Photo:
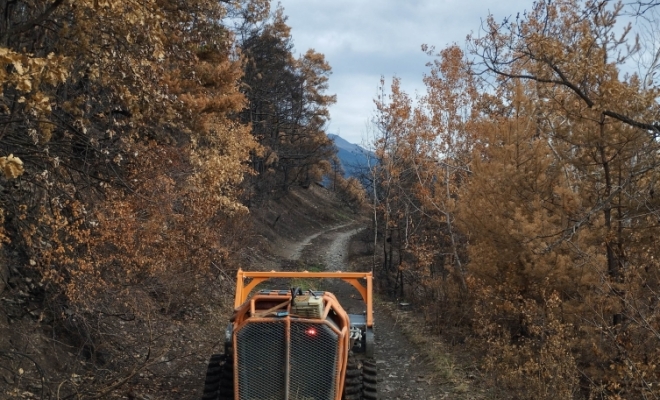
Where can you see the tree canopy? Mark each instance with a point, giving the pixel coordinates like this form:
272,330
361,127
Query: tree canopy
523,182
127,131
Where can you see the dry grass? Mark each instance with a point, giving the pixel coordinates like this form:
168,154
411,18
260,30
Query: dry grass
457,372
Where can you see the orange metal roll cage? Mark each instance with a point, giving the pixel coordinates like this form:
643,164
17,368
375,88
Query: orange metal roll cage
243,289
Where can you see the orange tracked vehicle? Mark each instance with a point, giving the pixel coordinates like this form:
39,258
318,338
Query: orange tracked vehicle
295,344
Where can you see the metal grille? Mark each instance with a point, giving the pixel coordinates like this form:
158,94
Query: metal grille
313,361
261,352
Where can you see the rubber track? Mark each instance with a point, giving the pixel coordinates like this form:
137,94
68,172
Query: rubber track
213,376
369,380
226,389
353,381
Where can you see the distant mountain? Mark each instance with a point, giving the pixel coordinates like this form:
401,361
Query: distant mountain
354,159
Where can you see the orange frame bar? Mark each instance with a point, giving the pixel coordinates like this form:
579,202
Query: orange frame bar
243,290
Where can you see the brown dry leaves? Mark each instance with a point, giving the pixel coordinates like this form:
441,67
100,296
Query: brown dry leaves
539,187
121,124
11,166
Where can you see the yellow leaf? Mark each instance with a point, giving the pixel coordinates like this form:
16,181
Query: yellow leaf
25,85
19,67
11,166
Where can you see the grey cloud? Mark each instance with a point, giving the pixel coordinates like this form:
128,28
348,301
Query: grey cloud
364,39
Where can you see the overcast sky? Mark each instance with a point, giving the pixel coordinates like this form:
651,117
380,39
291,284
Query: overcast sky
364,39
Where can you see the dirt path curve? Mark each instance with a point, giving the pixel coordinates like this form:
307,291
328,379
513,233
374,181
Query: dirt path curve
403,371
297,250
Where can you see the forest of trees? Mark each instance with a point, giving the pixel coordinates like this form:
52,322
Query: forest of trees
287,107
517,198
134,135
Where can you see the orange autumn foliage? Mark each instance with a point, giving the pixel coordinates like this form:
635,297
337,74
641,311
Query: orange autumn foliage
530,172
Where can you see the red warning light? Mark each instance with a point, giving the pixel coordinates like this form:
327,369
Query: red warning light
311,331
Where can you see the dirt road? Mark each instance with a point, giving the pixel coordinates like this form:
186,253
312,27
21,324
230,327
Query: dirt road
403,371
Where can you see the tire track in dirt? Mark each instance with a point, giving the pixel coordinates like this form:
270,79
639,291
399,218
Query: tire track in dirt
403,370
297,250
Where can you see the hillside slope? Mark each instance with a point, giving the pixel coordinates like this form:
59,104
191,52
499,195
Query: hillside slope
156,344
165,357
